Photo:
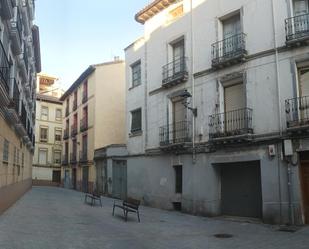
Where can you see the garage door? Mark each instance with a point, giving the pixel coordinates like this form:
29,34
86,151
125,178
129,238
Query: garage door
241,193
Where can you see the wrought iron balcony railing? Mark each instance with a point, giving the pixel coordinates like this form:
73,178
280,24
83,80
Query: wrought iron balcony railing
232,123
85,97
65,133
74,130
178,132
174,72
84,124
297,112
229,50
297,28
4,68
73,158
83,158
65,159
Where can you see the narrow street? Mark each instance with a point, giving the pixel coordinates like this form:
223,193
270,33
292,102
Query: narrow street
49,217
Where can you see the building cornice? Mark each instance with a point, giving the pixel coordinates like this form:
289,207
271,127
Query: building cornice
152,9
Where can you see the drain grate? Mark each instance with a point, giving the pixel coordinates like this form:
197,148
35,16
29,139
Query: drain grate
223,235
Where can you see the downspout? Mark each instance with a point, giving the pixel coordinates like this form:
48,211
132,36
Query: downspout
193,84
279,112
145,104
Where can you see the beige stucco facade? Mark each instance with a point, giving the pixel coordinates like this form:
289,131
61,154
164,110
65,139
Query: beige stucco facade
96,102
48,146
20,61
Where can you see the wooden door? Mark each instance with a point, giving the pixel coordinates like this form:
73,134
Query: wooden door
303,103
178,54
179,121
301,8
119,179
305,189
234,101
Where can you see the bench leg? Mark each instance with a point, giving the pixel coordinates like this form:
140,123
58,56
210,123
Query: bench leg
85,199
138,216
100,201
113,209
126,216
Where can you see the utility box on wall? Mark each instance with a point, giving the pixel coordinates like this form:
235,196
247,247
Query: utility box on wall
288,147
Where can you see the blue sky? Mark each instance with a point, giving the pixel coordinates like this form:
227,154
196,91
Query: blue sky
77,33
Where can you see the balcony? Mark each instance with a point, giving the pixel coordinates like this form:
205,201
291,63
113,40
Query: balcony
85,97
7,9
65,160
4,77
233,126
175,135
229,51
73,130
174,73
66,134
74,105
13,107
84,124
297,30
73,158
26,17
297,114
83,158
16,32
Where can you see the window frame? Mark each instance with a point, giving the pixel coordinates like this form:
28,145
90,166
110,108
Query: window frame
60,134
57,152
58,118
138,129
43,149
133,73
43,140
47,114
6,151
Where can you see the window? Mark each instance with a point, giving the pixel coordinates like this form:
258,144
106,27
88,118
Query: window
57,157
43,156
22,159
43,134
6,150
58,133
58,114
136,74
44,113
136,120
178,179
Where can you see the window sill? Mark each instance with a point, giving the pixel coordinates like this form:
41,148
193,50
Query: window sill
132,87
135,133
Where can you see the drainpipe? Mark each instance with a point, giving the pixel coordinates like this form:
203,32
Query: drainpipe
289,183
193,84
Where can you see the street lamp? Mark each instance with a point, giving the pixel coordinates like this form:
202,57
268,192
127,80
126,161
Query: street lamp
185,94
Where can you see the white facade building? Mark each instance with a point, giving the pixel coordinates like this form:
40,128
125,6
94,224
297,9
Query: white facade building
242,68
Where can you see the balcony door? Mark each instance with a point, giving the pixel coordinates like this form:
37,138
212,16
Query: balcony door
85,146
178,55
301,21
231,43
179,122
234,101
303,103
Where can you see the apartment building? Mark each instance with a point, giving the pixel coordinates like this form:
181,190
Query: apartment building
94,108
216,107
48,132
20,61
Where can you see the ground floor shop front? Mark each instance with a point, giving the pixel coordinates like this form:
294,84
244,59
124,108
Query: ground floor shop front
249,182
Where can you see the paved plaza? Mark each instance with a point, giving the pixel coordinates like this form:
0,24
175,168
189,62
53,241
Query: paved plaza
49,217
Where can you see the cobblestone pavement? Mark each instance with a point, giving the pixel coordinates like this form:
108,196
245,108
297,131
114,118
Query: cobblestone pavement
49,217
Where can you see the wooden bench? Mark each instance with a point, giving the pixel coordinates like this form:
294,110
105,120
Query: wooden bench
128,205
93,197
